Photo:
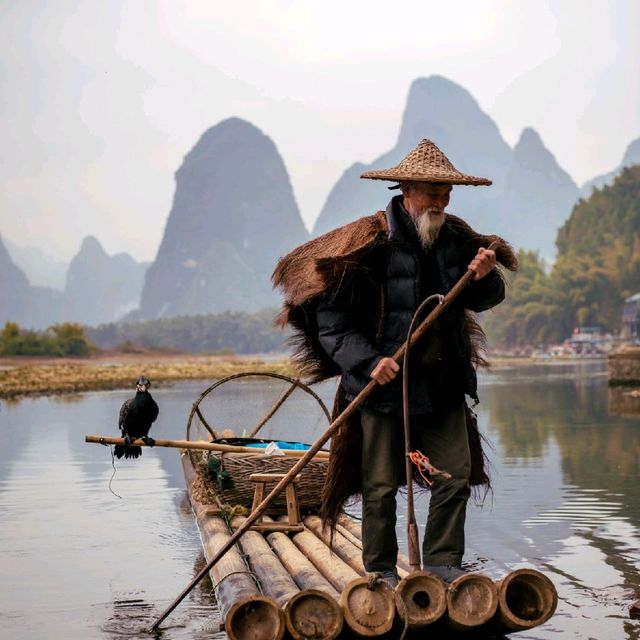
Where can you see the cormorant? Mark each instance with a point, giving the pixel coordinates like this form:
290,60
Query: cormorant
136,416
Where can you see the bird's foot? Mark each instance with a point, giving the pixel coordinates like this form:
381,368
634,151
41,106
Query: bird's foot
148,441
128,440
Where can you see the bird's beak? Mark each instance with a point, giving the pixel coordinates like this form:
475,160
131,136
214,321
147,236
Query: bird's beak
142,387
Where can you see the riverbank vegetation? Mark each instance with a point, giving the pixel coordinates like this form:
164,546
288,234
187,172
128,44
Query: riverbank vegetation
38,376
228,332
66,339
597,267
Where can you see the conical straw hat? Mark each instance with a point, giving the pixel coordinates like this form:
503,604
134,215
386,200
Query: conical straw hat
426,163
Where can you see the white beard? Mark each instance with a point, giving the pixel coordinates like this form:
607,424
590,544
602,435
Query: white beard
428,226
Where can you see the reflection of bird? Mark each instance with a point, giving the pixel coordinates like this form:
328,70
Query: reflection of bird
136,416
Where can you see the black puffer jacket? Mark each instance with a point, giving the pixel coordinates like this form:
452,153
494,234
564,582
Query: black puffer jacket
367,317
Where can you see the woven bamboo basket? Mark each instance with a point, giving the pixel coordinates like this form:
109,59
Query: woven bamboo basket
236,467
238,489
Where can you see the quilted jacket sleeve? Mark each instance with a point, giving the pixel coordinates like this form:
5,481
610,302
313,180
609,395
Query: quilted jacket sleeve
340,336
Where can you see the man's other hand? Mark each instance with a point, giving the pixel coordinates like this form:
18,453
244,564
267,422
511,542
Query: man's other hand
483,263
385,371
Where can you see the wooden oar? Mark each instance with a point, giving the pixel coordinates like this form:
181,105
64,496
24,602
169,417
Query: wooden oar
201,445
317,445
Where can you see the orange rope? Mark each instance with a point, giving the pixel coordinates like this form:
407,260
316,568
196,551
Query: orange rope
422,462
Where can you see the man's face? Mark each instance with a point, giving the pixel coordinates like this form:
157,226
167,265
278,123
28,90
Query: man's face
426,198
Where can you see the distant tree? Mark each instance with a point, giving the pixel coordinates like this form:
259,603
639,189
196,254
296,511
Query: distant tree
227,332
71,339
598,266
66,339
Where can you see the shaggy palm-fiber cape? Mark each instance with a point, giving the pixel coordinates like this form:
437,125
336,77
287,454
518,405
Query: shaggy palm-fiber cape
316,269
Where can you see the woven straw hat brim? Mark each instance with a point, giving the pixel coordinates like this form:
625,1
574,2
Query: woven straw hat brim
426,163
445,177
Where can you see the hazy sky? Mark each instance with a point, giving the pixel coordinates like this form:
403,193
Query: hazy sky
101,100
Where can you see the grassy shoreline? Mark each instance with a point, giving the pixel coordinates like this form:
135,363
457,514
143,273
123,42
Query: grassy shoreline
36,376
31,376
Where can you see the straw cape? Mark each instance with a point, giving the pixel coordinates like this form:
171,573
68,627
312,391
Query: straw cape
317,268
426,163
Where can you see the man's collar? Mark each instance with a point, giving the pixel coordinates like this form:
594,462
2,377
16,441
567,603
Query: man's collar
401,225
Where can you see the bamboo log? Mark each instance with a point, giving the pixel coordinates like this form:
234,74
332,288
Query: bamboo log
368,610
307,614
355,541
314,615
472,600
526,599
247,614
203,445
274,578
335,570
301,569
255,618
353,532
421,599
339,545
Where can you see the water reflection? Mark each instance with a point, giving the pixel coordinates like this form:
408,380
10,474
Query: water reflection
565,500
624,401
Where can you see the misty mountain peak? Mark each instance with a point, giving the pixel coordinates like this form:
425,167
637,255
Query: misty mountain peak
91,247
532,156
530,138
632,154
234,198
434,103
631,157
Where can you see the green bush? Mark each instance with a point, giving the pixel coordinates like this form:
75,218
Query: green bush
66,339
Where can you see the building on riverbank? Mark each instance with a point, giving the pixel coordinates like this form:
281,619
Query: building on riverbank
630,313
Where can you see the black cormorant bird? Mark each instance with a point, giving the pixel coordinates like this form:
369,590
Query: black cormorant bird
136,416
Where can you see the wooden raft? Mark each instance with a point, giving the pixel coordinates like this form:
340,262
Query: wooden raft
284,575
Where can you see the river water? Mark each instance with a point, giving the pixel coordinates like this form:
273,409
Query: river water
80,562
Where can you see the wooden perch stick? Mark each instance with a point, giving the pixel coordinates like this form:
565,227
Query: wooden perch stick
202,445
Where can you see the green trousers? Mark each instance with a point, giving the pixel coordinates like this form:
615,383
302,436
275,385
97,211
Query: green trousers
442,436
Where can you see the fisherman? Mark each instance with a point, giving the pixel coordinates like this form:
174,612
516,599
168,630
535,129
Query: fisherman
349,297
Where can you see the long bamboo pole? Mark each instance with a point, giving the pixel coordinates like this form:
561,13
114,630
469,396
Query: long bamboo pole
319,443
201,445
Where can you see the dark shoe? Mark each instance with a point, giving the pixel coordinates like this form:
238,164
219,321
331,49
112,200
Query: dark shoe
391,578
447,572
